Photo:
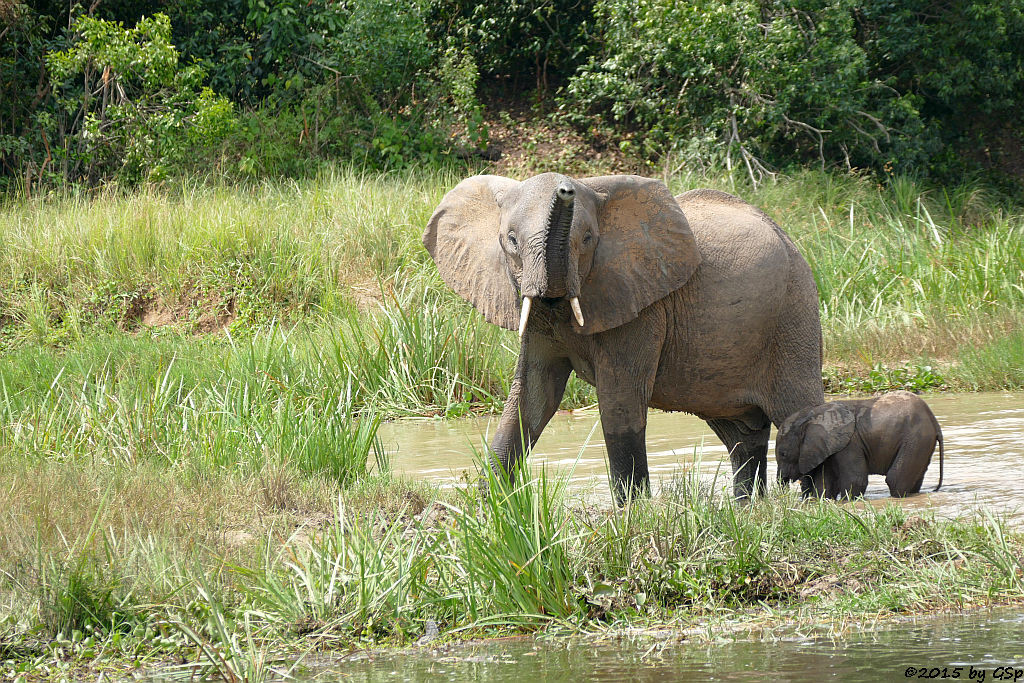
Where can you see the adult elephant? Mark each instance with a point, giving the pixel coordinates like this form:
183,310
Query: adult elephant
698,303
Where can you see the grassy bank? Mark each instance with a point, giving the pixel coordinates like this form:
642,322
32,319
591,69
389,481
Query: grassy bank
920,287
111,567
192,380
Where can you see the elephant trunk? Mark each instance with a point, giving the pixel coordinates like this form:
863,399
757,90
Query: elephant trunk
557,239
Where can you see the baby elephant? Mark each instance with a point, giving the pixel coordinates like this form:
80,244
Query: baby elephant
831,449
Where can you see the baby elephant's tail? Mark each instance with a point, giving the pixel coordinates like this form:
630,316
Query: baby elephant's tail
939,439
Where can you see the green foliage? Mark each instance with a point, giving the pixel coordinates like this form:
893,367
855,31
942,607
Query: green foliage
760,85
881,378
881,85
519,40
961,66
325,80
751,80
126,109
24,39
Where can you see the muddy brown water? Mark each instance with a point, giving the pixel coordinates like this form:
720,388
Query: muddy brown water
984,444
987,646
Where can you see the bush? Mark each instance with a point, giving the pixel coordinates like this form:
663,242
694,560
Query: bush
522,41
870,84
325,80
125,109
749,80
917,87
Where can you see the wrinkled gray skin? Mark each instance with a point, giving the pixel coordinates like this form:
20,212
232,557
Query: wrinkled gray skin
831,449
698,303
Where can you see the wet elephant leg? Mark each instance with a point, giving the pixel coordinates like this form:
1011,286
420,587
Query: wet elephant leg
627,465
622,398
536,391
846,474
906,474
747,441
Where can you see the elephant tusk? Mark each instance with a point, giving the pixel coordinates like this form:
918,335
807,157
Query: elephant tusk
576,311
527,301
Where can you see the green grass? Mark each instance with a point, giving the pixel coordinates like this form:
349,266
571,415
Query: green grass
999,364
373,564
909,276
123,401
192,380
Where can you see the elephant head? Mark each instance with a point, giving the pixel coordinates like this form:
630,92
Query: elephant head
611,246
809,437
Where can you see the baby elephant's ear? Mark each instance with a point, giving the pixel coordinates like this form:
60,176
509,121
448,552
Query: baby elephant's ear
828,431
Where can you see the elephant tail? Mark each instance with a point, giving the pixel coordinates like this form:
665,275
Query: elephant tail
939,439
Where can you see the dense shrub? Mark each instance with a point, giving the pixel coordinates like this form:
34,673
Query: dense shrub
864,83
922,86
322,79
125,107
521,42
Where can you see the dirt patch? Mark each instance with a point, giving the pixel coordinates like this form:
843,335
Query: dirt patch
199,313
366,295
216,320
524,141
157,316
436,516
830,586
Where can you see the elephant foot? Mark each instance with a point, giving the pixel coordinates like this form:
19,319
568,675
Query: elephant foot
747,441
628,491
627,460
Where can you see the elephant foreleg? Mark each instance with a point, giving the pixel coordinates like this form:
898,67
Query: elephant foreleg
536,391
627,464
846,474
623,404
813,484
747,441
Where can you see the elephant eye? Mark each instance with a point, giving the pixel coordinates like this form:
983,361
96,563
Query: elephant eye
588,238
512,241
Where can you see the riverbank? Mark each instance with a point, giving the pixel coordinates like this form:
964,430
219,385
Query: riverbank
921,288
128,568
194,377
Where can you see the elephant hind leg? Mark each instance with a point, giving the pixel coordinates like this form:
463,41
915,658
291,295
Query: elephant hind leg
903,484
747,441
906,474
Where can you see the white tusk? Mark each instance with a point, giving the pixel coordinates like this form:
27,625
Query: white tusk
527,301
575,303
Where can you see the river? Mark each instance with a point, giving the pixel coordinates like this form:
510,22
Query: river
987,646
983,432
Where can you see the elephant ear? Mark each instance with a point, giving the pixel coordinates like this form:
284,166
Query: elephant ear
645,250
828,431
462,238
